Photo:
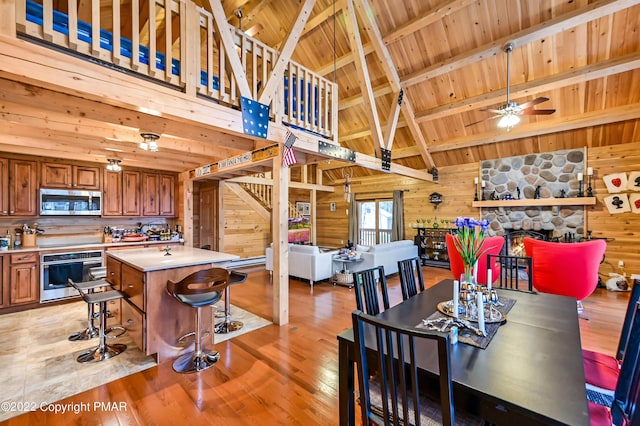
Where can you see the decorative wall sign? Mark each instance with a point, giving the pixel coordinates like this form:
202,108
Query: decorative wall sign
615,182
303,208
618,203
233,161
336,151
633,184
634,201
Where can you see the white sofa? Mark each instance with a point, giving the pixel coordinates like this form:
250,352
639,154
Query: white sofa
387,255
313,264
306,262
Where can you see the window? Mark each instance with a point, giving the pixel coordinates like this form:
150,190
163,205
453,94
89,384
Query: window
374,221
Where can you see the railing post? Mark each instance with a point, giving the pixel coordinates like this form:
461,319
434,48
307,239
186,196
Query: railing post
8,17
189,42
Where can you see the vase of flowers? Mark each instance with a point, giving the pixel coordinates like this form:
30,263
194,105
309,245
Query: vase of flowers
471,234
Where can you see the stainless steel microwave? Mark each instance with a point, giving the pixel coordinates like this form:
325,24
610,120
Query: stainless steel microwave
66,202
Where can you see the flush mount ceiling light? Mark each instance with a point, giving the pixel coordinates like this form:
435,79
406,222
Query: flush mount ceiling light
114,165
149,141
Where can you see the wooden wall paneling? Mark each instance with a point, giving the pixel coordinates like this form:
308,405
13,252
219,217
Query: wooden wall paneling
246,234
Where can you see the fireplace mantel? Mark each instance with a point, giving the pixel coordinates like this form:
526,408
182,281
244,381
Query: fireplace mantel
573,201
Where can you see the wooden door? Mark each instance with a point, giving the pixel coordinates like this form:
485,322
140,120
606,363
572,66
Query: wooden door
24,284
4,186
22,199
86,177
130,193
209,216
56,175
150,191
112,199
166,196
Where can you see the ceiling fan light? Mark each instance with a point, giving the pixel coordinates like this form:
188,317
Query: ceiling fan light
508,121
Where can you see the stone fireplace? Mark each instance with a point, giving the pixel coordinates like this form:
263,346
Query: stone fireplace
550,175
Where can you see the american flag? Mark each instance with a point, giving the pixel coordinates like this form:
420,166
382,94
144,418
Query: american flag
288,154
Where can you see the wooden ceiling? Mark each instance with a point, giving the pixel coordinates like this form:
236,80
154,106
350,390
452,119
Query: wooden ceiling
446,55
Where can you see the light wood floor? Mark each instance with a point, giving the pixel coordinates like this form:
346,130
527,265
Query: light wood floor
274,375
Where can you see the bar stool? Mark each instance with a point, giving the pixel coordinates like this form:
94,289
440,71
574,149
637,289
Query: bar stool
197,290
228,324
91,331
102,351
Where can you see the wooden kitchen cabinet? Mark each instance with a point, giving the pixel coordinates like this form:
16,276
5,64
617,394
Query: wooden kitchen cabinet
121,193
70,176
158,194
4,297
18,189
23,279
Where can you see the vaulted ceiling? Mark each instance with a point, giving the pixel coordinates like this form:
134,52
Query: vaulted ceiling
448,58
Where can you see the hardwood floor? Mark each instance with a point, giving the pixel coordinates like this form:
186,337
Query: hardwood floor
274,375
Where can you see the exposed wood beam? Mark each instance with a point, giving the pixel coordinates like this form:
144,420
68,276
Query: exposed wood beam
381,90
292,184
275,80
224,31
434,15
561,124
387,64
364,80
555,25
556,81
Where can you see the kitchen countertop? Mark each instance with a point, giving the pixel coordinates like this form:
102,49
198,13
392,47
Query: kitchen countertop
154,259
86,246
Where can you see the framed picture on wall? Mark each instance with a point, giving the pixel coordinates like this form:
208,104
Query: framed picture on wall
303,208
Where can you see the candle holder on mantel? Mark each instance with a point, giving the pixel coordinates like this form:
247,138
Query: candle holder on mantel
475,187
589,188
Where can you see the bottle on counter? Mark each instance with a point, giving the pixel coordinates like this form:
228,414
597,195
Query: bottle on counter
9,238
18,241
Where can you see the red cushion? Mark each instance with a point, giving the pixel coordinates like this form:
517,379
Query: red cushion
599,415
600,370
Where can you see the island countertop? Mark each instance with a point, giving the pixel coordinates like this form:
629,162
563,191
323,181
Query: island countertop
154,259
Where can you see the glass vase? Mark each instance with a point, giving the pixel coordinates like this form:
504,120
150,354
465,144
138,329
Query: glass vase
470,271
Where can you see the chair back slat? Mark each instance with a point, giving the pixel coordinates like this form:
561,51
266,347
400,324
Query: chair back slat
511,268
395,353
368,284
625,409
626,325
411,278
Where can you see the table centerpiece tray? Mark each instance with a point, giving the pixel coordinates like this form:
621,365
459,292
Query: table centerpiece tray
493,315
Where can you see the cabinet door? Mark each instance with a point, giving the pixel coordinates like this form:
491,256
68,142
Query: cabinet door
4,186
150,191
56,175
3,287
86,177
167,195
112,199
22,199
130,193
114,272
24,284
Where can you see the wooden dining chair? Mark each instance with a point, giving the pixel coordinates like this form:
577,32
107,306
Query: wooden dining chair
512,268
370,284
395,395
625,409
411,280
601,371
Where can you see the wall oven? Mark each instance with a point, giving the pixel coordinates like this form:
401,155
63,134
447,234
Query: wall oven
57,268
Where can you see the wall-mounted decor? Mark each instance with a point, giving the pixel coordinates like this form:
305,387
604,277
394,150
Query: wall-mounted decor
615,182
618,203
634,201
633,184
332,206
303,208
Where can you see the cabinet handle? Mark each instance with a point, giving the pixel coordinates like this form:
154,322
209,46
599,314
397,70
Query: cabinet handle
4,211
12,211
131,286
113,273
129,321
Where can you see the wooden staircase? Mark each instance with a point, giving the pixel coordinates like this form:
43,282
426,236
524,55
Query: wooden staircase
262,194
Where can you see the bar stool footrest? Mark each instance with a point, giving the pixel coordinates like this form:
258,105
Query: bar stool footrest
101,353
193,362
225,327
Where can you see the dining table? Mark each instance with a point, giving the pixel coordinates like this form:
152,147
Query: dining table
530,373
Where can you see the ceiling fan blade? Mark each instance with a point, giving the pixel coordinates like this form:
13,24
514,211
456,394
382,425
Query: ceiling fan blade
534,102
485,119
495,111
538,112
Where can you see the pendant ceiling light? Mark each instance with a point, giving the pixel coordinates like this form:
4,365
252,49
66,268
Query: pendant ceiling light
114,165
149,141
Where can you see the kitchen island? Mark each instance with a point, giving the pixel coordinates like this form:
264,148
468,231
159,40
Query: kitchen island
153,318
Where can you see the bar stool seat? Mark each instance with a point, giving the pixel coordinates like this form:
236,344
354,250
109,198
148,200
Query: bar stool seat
91,331
228,324
198,290
102,351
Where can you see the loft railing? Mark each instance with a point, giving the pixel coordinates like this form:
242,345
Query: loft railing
175,42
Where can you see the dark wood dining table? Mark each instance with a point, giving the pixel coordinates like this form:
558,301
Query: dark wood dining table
531,373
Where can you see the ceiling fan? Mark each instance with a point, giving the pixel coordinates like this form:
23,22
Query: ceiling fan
509,113
252,30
